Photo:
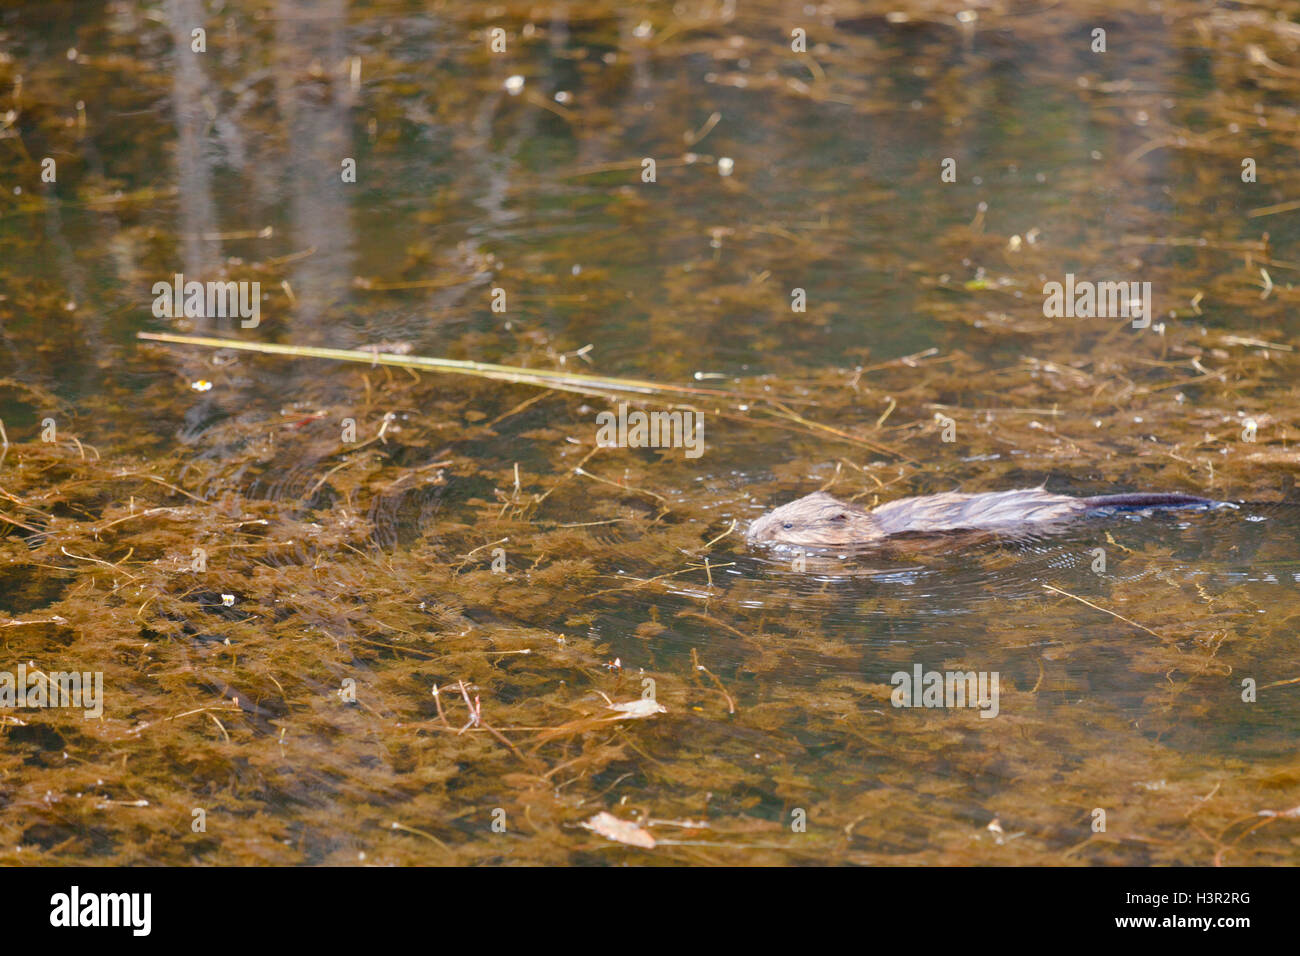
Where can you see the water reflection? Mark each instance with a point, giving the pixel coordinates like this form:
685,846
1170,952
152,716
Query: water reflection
472,532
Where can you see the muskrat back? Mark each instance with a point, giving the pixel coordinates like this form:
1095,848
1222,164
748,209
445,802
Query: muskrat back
822,521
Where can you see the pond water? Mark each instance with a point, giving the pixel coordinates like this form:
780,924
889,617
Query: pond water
352,613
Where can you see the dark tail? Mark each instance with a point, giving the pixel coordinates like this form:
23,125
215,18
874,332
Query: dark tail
1139,501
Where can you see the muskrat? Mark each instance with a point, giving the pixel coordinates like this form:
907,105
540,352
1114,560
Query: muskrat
822,521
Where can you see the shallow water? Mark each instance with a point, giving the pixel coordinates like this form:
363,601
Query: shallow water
271,604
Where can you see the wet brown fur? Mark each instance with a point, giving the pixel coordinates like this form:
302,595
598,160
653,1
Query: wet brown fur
822,521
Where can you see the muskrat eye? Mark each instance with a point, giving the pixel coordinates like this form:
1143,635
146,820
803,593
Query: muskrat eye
788,525
840,517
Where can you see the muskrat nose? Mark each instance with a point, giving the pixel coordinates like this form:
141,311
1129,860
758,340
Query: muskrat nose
767,528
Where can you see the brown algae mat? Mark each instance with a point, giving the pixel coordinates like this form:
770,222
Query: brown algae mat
465,632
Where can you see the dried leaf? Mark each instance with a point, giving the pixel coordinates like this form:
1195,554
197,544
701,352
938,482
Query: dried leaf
636,709
620,831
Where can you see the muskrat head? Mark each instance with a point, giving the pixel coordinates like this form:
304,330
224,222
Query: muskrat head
815,521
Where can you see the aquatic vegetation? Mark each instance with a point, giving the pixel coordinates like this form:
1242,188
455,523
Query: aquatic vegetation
350,609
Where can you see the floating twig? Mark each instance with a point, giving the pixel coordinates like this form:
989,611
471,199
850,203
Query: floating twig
1121,617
